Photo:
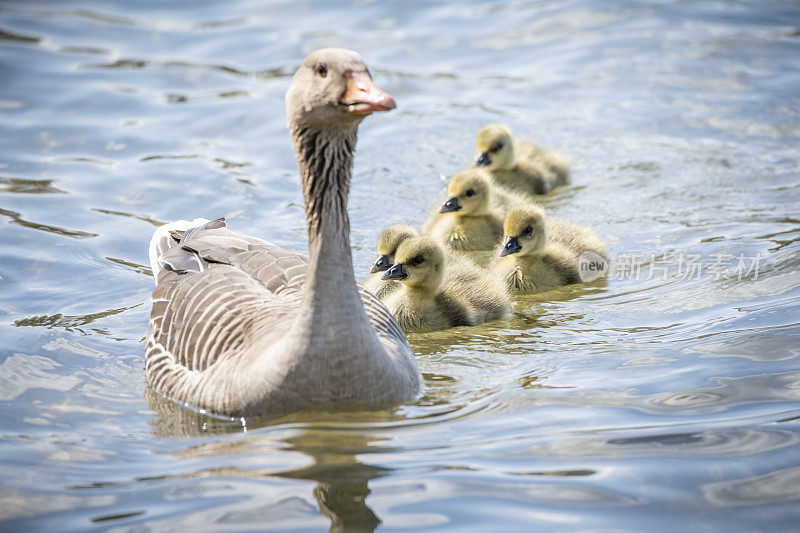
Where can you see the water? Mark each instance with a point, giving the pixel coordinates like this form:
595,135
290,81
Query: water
664,398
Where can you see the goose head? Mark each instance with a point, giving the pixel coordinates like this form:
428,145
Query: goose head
494,148
419,263
468,193
524,232
333,86
388,242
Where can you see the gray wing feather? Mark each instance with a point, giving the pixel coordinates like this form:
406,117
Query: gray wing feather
215,288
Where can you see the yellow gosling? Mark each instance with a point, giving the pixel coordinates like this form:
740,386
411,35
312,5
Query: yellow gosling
540,254
435,295
388,241
519,164
471,219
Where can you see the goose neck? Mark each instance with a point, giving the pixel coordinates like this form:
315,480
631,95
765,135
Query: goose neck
326,160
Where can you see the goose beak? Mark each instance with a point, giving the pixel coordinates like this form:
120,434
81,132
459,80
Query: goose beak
510,247
381,264
482,160
450,205
395,272
362,97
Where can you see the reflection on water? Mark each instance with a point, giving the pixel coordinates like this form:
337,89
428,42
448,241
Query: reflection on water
129,215
23,186
779,486
340,479
70,323
18,219
660,398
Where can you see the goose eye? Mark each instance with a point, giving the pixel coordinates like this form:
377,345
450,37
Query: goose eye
321,70
497,147
528,230
417,260
470,192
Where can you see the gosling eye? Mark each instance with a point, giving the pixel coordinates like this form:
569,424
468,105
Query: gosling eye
470,192
321,69
417,260
527,231
497,147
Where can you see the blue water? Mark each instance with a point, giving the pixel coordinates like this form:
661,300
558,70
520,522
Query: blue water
666,398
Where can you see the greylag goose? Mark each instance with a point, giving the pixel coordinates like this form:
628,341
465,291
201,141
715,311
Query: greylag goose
519,164
241,327
541,253
438,295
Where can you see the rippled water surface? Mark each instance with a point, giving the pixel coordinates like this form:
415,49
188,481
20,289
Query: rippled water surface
666,398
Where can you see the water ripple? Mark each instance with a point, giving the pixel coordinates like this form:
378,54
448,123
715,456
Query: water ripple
784,386
20,373
143,218
72,322
778,486
285,71
6,35
28,186
18,219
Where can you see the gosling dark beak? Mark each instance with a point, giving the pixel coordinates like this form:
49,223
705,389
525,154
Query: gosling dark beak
510,247
482,160
450,205
395,272
381,264
362,97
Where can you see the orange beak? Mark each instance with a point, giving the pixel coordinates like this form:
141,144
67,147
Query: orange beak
363,97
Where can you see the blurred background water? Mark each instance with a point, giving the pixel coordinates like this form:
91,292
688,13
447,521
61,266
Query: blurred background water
667,397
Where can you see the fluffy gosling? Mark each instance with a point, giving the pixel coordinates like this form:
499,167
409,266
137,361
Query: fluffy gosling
388,241
519,164
540,254
435,295
471,219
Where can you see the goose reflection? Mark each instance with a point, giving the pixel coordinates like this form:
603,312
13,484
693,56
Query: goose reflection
342,481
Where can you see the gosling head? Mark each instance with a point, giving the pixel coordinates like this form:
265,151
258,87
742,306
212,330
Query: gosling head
419,262
493,148
333,87
468,193
388,242
524,232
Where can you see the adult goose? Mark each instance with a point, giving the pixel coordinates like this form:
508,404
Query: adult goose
242,327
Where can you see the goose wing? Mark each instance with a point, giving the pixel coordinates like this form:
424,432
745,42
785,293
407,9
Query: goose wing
194,249
215,289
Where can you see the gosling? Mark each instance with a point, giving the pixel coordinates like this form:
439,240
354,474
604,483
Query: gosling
388,241
471,219
540,254
436,295
519,164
